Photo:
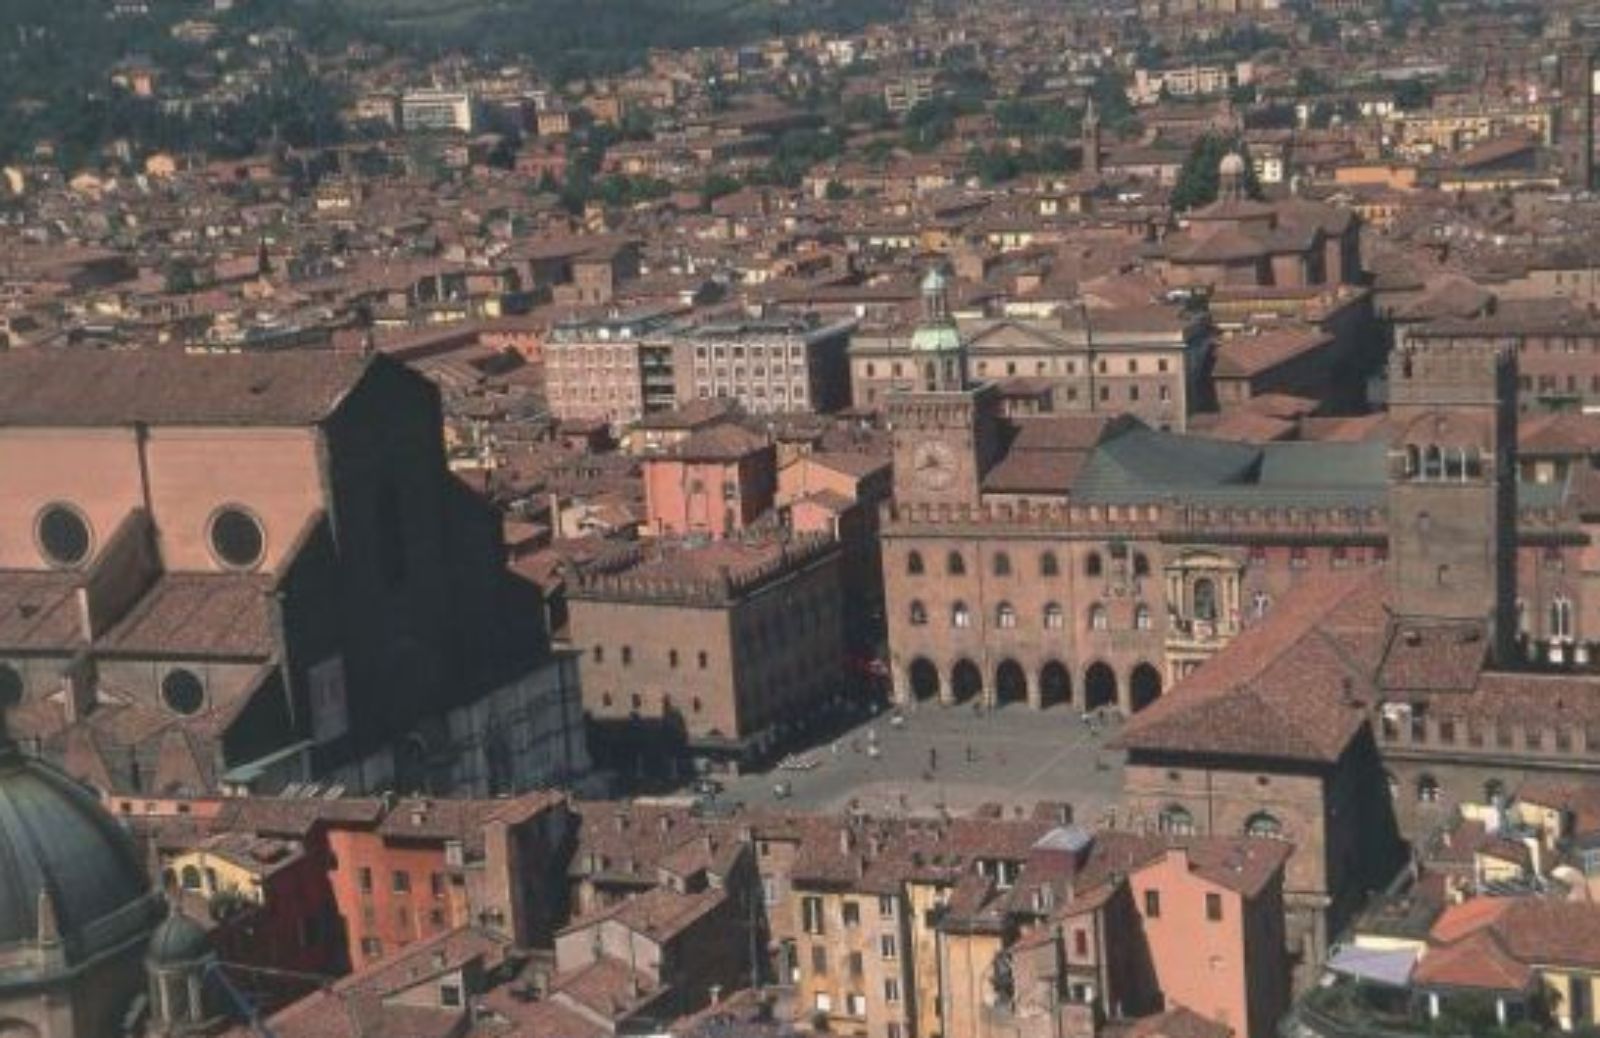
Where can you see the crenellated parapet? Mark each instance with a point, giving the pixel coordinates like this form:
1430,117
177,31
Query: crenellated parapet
1182,523
711,575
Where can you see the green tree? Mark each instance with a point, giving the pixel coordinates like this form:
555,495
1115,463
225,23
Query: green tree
1412,94
867,109
1310,82
837,192
1199,180
930,123
1110,93
178,277
717,185
994,165
1323,30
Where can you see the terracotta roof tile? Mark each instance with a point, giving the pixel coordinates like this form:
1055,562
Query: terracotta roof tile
96,388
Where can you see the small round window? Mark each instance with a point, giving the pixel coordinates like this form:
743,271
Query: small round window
182,691
64,535
236,537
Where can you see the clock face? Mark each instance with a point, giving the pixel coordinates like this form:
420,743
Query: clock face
934,466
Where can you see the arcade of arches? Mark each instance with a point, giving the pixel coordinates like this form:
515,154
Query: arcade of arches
1008,682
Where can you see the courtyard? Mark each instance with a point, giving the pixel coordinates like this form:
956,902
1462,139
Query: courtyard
950,757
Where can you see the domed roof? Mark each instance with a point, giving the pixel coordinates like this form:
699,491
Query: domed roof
1232,165
71,886
178,941
936,338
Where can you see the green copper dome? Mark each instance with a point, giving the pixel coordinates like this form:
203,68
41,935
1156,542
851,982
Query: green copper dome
71,887
936,338
178,941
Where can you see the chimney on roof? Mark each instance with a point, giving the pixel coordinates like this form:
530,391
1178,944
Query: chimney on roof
79,683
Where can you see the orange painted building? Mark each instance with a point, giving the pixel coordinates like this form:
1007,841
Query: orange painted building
716,482
1215,937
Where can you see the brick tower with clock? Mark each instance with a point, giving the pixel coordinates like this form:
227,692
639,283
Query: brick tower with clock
946,432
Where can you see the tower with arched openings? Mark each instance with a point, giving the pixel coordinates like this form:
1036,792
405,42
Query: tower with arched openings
1452,486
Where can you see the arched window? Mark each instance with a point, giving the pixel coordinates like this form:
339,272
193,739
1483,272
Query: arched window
1002,564
1263,823
10,686
1141,617
1205,599
1175,820
1260,603
1054,619
1048,566
1494,791
1413,461
1428,791
1098,619
1522,618
1005,615
1141,565
955,565
1561,618
1474,463
919,614
1432,463
191,878
959,616
914,564
1092,566
1455,463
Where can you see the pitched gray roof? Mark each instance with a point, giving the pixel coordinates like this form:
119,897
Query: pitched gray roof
1144,465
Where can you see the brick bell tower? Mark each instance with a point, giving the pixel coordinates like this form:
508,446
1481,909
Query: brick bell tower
1575,115
946,431
1452,486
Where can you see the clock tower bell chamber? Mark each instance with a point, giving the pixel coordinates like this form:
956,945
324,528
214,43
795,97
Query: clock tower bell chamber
946,432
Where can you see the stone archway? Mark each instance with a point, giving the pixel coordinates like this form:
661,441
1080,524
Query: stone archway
966,681
1055,684
1144,686
1099,686
1010,683
924,679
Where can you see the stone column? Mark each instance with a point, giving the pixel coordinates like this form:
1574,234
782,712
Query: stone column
899,683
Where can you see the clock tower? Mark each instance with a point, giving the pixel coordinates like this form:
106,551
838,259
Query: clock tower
946,431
